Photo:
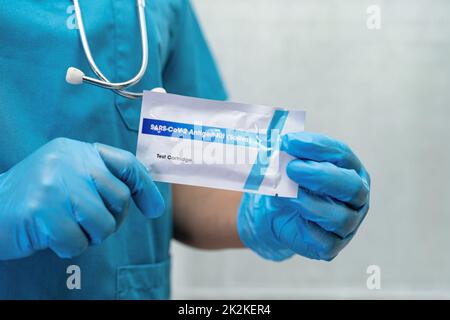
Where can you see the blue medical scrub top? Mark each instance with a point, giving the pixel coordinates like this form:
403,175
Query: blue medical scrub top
38,43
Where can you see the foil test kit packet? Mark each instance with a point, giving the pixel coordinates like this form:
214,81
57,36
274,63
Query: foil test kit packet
217,144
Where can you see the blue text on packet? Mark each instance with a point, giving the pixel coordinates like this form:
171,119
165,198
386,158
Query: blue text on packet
202,133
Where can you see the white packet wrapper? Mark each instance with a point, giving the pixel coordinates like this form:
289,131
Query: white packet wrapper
217,144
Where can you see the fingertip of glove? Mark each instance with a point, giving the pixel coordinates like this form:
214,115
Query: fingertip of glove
292,141
156,208
160,209
97,146
293,167
100,148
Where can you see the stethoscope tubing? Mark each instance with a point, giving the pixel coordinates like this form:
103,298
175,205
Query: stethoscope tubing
102,81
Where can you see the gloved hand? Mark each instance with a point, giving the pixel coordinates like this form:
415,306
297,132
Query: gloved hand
68,195
333,200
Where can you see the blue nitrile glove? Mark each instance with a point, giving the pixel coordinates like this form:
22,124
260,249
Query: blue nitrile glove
333,200
68,195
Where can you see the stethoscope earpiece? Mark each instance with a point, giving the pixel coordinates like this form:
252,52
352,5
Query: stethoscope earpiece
74,76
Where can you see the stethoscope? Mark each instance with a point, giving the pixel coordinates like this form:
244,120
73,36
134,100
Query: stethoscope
76,76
